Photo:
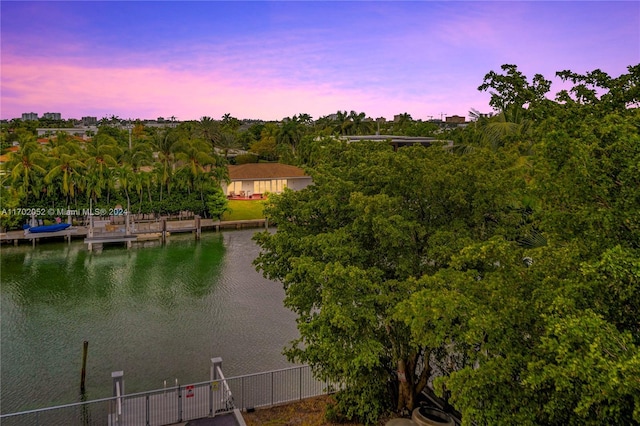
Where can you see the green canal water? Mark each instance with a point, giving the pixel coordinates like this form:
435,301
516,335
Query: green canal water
157,313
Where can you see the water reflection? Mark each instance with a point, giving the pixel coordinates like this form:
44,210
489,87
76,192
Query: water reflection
156,312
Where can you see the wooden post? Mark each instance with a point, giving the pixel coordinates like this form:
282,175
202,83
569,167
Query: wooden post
164,230
90,232
127,230
83,374
198,229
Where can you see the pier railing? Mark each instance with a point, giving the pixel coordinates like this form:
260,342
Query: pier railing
182,403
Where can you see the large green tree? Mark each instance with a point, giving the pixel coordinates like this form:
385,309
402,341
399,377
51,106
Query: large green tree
352,246
548,333
508,272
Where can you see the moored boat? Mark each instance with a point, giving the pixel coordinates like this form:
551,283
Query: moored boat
48,228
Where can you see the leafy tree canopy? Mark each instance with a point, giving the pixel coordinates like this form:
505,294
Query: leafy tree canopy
352,246
508,273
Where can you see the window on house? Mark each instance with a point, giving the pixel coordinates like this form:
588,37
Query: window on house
274,185
234,187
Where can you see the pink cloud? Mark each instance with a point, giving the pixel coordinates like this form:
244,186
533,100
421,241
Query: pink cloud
149,92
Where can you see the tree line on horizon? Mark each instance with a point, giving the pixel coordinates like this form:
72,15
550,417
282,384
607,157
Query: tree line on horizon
161,170
503,273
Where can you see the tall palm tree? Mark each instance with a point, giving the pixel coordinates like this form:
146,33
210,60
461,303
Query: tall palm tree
27,167
208,129
68,165
102,152
359,123
196,160
165,144
342,123
304,118
146,179
69,171
226,141
230,123
402,121
140,154
290,133
126,179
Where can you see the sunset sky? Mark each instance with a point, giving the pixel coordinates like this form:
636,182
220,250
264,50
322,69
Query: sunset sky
270,60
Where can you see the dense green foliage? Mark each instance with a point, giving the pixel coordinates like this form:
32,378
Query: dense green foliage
507,269
150,171
158,170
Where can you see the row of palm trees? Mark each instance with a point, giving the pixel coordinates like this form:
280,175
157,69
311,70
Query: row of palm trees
147,164
66,170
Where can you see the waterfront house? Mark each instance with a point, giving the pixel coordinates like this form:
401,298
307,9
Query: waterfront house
254,180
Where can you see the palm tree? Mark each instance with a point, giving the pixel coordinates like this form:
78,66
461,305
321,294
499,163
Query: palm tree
230,123
304,118
140,154
196,160
401,121
69,170
165,143
27,166
67,159
359,123
146,180
208,129
226,142
126,178
290,133
510,125
342,123
102,152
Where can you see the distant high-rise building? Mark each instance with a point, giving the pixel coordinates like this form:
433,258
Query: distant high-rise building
89,121
52,116
29,116
455,119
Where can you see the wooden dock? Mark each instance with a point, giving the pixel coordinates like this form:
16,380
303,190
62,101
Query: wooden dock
15,237
139,231
100,240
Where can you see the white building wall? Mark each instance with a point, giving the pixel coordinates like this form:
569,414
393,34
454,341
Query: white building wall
273,186
301,183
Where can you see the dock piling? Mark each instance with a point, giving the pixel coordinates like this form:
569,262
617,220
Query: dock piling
83,373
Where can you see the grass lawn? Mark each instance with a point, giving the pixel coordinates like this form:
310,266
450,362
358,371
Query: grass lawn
244,210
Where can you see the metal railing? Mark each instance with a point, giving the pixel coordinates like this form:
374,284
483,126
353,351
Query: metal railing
181,403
